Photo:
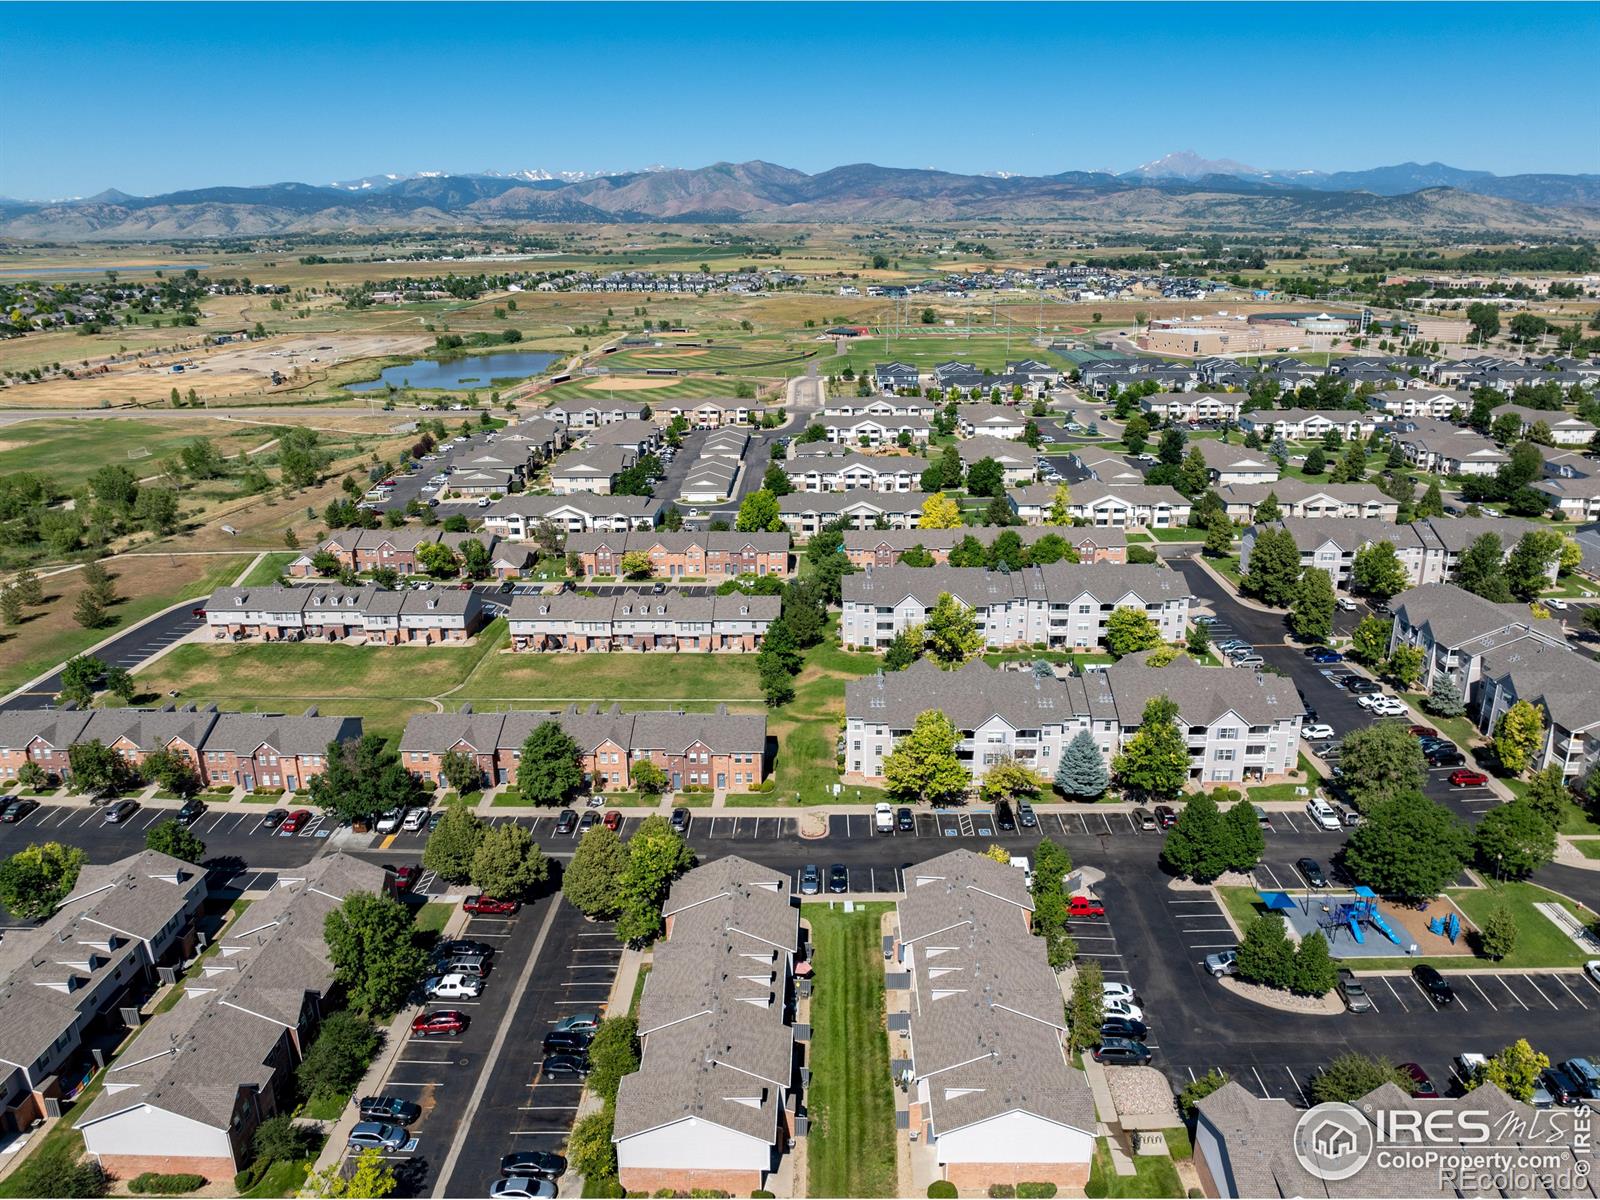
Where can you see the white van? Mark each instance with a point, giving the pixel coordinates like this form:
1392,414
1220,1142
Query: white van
1023,865
1320,811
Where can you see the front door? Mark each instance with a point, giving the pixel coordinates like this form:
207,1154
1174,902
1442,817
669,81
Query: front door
722,781
677,780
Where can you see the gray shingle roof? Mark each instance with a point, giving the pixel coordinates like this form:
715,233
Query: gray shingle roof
978,587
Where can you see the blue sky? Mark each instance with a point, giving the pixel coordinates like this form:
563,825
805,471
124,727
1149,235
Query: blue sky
153,97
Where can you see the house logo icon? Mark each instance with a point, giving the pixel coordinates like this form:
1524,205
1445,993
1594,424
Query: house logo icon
1333,1141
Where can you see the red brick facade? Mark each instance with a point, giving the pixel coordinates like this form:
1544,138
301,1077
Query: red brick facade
648,1180
609,765
975,1178
693,560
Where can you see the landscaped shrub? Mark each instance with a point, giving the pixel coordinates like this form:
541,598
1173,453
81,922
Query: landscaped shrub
165,1185
1035,1191
1002,1191
942,1189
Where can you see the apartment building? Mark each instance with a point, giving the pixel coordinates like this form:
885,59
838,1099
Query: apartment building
377,615
713,556
637,437
990,420
1105,466
1565,429
539,438
1428,549
1193,406
893,377
363,550
711,1106
714,412
1451,452
1574,498
844,471
286,751
876,431
992,1089
884,548
1061,605
1305,424
1314,501
1456,630
879,406
1017,461
639,620
1239,726
574,413
1126,506
520,518
1229,463
1562,685
803,513
590,470
125,926
718,750
187,1095
1438,403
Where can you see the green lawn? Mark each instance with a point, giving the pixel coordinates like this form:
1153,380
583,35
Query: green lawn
638,989
270,567
808,727
851,1149
570,677
69,451
1181,534
1588,847
283,1178
432,916
1154,1176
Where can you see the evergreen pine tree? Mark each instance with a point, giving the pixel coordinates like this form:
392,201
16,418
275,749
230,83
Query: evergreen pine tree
1082,773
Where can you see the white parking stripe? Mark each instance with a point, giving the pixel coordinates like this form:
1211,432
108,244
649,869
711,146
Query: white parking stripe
1297,1087
1512,994
1535,986
1481,992
1394,993
1570,992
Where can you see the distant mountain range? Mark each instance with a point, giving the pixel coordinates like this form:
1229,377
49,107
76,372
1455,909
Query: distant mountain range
1180,191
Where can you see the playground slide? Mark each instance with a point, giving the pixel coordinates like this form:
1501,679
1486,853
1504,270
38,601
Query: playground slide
1355,929
1382,926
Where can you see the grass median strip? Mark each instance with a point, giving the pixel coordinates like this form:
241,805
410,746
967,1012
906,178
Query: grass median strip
851,1148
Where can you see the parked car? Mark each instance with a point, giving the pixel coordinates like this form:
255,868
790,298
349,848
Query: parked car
1222,963
1026,817
120,811
1004,818
1592,970
1316,733
439,1022
389,1109
1445,758
295,821
1422,1084
455,986
1144,819
1085,906
838,878
613,820
488,906
566,823
810,879
1563,1088
193,809
521,1187
588,821
406,876
1121,1008
1468,779
274,817
883,818
389,821
1327,656
1118,991
680,820
1124,1027
1122,1051
1166,818
564,1063
1424,731
462,948
1312,870
369,1135
541,1164
904,820
584,1021
1586,1074
1434,984
416,817
1363,687
18,809
1352,992
568,1040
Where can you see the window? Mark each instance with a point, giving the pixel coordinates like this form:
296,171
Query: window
1228,734
1225,755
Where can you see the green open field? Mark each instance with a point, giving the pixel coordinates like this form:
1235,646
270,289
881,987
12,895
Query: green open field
671,390
851,1148
771,358
982,349
69,451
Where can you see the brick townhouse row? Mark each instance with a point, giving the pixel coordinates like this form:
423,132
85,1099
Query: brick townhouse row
396,549
250,750
885,547
674,555
721,750
274,614
638,620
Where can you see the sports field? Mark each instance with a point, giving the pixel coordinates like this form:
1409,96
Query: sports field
69,451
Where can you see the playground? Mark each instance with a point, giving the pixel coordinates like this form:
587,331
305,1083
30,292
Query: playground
1358,924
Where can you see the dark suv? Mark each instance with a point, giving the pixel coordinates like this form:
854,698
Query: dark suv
1003,817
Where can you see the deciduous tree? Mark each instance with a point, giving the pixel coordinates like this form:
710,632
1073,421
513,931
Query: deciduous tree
951,632
1518,734
453,844
1311,616
38,877
940,512
508,863
550,768
656,856
1129,630
373,953
1409,847
1155,762
1513,840
1377,571
1380,761
924,766
174,838
592,882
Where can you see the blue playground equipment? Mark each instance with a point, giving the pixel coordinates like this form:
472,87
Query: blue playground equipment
1446,927
1352,914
